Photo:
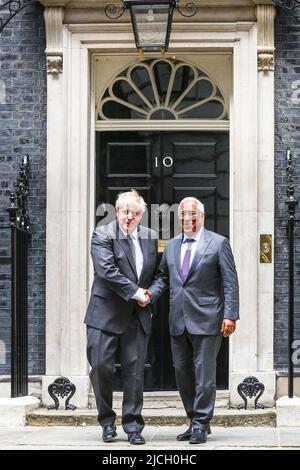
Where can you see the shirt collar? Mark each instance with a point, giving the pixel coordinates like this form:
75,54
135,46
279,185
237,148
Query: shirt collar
196,236
133,235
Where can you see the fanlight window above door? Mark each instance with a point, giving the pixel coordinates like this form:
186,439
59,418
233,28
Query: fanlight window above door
162,89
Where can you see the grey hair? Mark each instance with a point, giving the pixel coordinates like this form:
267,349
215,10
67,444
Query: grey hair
200,206
131,199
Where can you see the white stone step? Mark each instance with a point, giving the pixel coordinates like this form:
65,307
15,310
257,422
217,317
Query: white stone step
162,400
153,417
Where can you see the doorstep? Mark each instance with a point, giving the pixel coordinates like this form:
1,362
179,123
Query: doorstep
163,399
161,408
154,417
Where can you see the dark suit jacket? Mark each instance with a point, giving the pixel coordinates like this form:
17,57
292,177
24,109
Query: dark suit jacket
210,292
115,279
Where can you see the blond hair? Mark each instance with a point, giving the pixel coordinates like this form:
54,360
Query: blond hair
131,199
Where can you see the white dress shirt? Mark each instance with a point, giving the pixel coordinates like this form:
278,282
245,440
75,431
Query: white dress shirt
138,261
184,246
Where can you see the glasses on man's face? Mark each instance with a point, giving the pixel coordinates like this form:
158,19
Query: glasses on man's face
191,214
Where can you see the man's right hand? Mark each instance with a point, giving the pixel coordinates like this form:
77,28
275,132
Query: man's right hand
148,296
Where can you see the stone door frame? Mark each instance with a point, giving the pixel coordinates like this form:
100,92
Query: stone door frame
70,185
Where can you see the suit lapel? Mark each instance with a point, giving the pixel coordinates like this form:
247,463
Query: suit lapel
203,244
144,242
177,254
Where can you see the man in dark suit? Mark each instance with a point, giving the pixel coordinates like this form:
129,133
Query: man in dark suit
199,269
124,256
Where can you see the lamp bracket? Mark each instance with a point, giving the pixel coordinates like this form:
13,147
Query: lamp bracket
187,10
114,11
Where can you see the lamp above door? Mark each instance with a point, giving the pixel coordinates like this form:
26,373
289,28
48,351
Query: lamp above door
151,21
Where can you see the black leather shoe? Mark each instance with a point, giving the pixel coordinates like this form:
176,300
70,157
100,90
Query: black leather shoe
185,436
109,432
136,438
199,436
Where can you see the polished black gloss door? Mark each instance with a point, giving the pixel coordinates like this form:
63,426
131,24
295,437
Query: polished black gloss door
165,167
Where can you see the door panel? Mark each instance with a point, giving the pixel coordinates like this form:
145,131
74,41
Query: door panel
165,167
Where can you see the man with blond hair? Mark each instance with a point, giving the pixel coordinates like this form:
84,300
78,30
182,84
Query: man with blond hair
199,269
124,256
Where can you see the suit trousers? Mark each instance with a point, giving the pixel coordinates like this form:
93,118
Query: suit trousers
101,351
195,362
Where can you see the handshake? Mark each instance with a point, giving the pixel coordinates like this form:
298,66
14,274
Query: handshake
146,298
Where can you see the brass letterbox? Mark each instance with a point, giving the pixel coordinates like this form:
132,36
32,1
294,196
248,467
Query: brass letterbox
265,248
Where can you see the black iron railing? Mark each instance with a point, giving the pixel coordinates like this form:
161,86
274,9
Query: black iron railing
11,8
291,203
290,7
20,236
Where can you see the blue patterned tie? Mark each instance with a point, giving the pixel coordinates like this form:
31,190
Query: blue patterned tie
132,248
187,258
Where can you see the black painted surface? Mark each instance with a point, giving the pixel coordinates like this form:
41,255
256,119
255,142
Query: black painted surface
200,168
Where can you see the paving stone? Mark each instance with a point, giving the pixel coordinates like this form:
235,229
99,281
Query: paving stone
157,438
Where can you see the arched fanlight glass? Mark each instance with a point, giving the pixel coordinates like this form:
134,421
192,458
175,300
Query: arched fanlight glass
162,89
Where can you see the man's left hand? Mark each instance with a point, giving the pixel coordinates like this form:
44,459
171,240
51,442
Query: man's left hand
228,327
148,296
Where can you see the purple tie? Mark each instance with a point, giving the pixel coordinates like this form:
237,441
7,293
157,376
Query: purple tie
187,258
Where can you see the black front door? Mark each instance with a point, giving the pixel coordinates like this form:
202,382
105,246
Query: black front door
164,167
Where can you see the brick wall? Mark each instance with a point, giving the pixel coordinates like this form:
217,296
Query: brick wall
287,134
23,131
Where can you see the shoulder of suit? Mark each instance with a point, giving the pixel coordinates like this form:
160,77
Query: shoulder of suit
148,232
108,230
216,236
173,240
